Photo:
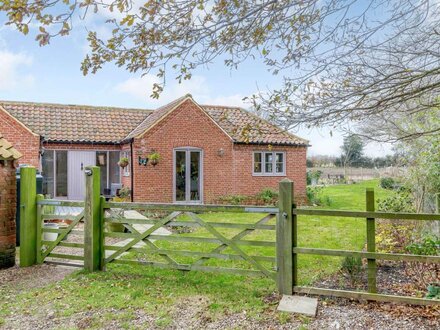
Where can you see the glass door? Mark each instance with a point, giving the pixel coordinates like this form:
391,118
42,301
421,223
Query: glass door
188,175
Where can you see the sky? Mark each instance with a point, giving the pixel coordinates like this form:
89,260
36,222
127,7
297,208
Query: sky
52,74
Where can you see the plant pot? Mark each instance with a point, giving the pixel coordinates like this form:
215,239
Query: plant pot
50,236
115,227
154,162
123,164
62,224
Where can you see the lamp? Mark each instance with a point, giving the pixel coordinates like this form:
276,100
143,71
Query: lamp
221,152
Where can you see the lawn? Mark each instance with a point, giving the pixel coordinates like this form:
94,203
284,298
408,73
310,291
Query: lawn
130,288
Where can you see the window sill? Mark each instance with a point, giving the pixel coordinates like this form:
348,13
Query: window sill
266,175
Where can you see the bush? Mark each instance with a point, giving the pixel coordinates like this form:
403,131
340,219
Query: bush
313,175
352,269
387,183
399,202
268,195
232,199
314,198
428,245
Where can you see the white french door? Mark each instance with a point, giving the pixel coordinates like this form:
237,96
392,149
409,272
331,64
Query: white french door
188,175
76,164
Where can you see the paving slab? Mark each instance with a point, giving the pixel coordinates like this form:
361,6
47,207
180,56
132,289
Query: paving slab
298,304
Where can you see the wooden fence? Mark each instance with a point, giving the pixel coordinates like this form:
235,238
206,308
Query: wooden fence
97,252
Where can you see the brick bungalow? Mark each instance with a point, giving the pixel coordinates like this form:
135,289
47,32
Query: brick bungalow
205,151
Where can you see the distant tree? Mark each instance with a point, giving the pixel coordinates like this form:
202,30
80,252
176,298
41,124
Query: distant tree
352,150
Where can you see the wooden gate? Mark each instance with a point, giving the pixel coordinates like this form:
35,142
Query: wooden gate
155,242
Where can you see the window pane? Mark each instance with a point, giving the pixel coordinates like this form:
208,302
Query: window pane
101,161
195,176
268,162
279,162
257,162
114,170
61,173
48,175
180,175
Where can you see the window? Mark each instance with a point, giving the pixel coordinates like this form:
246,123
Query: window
269,163
126,169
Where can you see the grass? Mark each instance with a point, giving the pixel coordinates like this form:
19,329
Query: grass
128,288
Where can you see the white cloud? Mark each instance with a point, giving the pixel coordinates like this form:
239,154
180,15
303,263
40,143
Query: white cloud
12,70
197,86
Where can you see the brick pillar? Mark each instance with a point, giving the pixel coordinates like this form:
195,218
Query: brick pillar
7,213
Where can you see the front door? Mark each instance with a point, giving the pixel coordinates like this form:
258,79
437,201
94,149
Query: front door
76,164
188,175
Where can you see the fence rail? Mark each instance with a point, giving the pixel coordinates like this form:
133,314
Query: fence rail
98,246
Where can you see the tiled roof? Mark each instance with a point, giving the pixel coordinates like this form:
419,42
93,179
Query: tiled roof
7,151
155,116
76,123
245,127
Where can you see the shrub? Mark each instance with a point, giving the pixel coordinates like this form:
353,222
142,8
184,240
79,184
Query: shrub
387,183
398,202
313,175
314,198
352,268
268,195
124,193
428,245
433,292
232,199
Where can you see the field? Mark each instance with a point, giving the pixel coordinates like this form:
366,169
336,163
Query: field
131,290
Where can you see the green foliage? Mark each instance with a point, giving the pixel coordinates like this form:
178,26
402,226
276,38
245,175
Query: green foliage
268,195
352,149
399,202
124,192
394,237
313,176
352,269
387,183
428,245
315,196
433,292
233,199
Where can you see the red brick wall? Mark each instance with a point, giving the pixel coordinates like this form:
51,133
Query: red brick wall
21,138
188,126
7,214
248,184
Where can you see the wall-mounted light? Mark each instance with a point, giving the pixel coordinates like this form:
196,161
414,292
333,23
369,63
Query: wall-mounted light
221,152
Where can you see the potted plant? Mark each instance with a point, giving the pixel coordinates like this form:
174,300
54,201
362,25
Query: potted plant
123,162
154,158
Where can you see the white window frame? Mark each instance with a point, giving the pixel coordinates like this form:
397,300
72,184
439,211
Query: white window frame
263,163
188,200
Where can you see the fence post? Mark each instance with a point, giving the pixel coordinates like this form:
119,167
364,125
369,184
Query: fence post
28,216
39,236
371,242
286,239
92,220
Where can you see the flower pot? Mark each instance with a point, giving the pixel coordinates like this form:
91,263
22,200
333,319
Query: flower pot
50,236
154,162
123,164
115,227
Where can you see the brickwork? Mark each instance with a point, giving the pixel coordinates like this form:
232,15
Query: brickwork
7,213
188,126
23,140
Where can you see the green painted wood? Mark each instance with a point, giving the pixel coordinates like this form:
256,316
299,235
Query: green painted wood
39,232
190,208
365,296
65,256
62,234
236,271
141,237
369,255
191,223
92,220
365,214
28,216
237,237
66,244
64,231
186,253
56,216
102,227
61,202
286,233
371,242
231,244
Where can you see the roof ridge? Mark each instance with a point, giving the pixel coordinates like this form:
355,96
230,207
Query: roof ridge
48,104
